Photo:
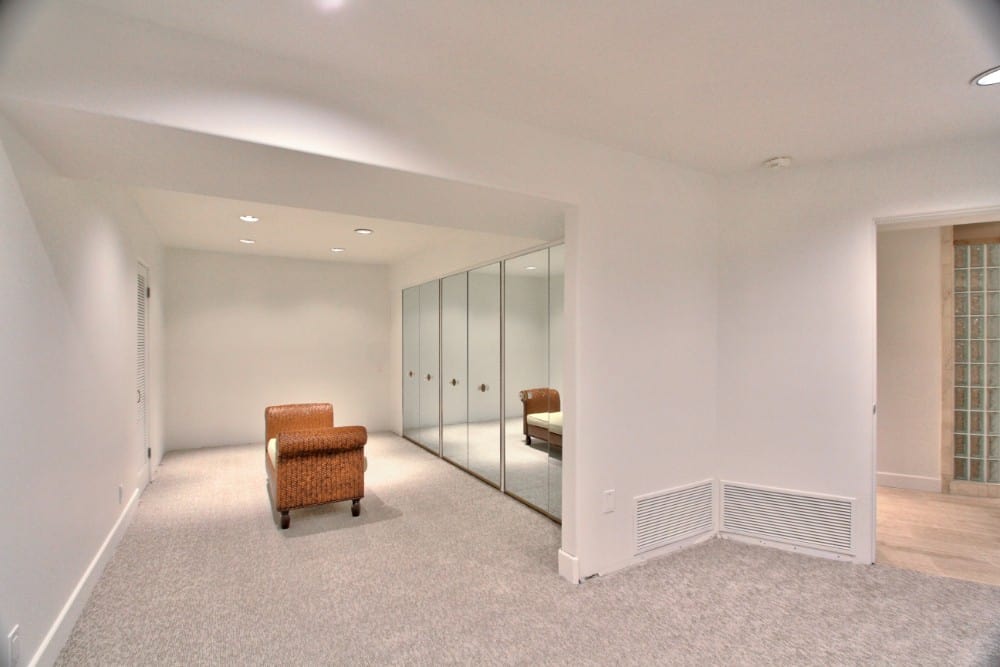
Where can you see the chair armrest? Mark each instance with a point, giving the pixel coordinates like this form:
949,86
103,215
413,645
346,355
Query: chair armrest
540,400
321,440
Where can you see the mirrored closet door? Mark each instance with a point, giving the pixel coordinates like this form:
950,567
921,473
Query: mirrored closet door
557,272
533,416
411,363
454,367
484,373
482,356
470,369
429,431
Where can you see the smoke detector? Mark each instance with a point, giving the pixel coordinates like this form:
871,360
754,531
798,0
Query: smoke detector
777,162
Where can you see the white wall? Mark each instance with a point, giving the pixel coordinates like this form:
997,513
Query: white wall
797,312
640,312
775,342
640,327
245,332
909,358
641,246
67,362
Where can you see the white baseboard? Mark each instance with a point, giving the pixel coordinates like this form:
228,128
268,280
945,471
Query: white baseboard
56,638
569,567
658,552
914,482
819,553
676,546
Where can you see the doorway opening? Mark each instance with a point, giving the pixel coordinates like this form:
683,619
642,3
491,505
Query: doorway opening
938,378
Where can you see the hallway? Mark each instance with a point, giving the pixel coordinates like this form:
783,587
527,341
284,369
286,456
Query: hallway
943,534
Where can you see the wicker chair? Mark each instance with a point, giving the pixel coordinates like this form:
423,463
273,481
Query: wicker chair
311,462
543,401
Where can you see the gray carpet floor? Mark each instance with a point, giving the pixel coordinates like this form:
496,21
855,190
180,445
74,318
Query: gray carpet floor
441,569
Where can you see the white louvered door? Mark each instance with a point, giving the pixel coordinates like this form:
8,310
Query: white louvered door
141,357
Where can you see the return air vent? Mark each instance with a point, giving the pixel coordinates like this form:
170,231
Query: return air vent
818,522
665,517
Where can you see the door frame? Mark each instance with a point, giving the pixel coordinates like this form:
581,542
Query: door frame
936,219
145,473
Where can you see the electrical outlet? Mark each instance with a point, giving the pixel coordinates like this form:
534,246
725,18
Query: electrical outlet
14,646
609,501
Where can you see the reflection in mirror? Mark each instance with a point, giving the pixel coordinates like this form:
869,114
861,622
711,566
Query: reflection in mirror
456,340
484,373
528,398
557,272
454,357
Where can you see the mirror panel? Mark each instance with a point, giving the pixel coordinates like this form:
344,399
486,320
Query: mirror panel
454,370
484,372
557,289
411,363
526,367
429,381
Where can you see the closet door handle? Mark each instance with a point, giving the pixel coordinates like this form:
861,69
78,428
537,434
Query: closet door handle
453,382
483,388
428,377
411,373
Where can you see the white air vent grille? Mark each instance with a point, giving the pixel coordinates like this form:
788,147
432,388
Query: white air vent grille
817,522
673,515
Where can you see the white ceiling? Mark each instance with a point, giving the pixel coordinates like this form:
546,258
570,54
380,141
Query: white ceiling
202,222
193,187
719,86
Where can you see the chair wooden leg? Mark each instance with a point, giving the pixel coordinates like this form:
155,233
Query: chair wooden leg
285,520
356,507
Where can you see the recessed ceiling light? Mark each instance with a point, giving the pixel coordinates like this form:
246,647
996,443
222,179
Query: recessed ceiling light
363,231
336,249
530,268
249,218
988,78
247,241
329,5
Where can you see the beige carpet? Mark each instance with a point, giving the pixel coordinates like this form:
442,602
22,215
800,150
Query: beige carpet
441,569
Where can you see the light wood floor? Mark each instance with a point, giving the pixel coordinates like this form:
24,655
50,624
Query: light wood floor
944,534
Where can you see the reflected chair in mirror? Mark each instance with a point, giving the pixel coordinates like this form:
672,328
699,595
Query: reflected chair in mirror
542,415
309,461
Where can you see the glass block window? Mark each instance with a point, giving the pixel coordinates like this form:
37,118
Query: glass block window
977,362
